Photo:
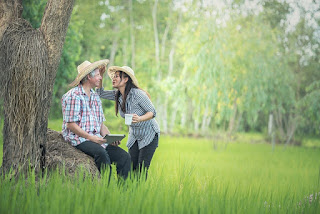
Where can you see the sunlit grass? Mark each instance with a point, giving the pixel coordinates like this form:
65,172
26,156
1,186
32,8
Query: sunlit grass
55,124
187,175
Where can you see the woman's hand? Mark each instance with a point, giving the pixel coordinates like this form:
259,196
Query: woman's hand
136,118
102,70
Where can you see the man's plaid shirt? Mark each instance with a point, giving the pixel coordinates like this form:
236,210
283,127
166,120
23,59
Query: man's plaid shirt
87,114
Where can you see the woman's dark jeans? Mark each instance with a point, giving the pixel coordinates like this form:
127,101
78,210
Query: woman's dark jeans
141,158
104,157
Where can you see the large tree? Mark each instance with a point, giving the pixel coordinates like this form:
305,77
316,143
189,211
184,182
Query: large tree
29,59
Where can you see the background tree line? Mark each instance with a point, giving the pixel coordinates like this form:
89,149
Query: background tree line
209,66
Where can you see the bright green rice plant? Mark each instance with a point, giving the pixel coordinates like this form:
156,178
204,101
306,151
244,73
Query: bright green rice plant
186,176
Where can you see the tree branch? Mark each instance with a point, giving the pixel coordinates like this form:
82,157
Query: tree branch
9,10
54,26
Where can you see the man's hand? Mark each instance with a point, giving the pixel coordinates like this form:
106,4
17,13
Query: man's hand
116,143
96,139
80,132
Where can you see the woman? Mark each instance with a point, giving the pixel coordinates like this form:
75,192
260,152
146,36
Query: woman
144,131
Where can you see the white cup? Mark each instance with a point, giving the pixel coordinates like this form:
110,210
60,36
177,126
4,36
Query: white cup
128,119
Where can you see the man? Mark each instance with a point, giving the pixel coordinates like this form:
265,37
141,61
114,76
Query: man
83,120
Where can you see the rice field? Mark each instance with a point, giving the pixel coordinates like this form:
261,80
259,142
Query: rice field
186,176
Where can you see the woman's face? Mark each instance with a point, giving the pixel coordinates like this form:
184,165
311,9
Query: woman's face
118,81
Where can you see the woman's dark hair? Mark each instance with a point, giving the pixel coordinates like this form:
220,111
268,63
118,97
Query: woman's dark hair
129,85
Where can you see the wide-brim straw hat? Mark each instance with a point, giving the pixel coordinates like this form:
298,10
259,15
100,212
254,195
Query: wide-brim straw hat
126,69
85,68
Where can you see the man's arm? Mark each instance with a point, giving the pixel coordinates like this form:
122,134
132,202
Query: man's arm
104,130
80,132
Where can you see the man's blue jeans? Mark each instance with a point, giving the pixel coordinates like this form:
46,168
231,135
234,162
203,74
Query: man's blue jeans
104,157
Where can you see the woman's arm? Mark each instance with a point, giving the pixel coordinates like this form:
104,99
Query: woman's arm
109,95
146,104
147,116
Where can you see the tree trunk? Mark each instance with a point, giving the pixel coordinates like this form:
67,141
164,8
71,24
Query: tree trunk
29,60
132,38
156,39
204,126
125,52
173,119
114,46
291,128
278,119
233,118
196,117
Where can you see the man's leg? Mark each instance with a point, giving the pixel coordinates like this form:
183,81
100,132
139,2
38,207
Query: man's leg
121,158
100,155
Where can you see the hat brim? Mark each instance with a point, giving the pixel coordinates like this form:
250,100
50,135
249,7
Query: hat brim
113,69
87,70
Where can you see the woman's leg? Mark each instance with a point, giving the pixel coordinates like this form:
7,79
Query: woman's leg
146,154
134,153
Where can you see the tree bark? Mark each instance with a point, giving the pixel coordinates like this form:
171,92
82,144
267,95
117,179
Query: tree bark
132,38
125,52
196,117
29,60
233,118
10,10
114,46
206,115
156,39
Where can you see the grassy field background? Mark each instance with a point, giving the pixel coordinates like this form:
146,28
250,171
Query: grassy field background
187,175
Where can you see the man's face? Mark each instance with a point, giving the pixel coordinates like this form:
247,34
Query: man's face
95,80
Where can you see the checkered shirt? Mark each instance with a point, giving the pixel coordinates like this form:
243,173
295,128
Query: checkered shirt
137,102
87,114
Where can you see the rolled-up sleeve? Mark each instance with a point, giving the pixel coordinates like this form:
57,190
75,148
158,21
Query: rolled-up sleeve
145,103
108,94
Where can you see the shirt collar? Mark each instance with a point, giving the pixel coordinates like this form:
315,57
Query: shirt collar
80,89
128,96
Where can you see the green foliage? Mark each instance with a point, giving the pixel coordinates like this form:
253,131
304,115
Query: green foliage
310,106
220,67
33,11
237,178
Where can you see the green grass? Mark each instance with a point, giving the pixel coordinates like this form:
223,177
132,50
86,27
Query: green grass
186,176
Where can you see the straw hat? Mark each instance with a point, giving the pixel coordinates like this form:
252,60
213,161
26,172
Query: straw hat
85,68
126,69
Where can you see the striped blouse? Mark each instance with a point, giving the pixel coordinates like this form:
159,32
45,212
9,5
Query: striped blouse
137,103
